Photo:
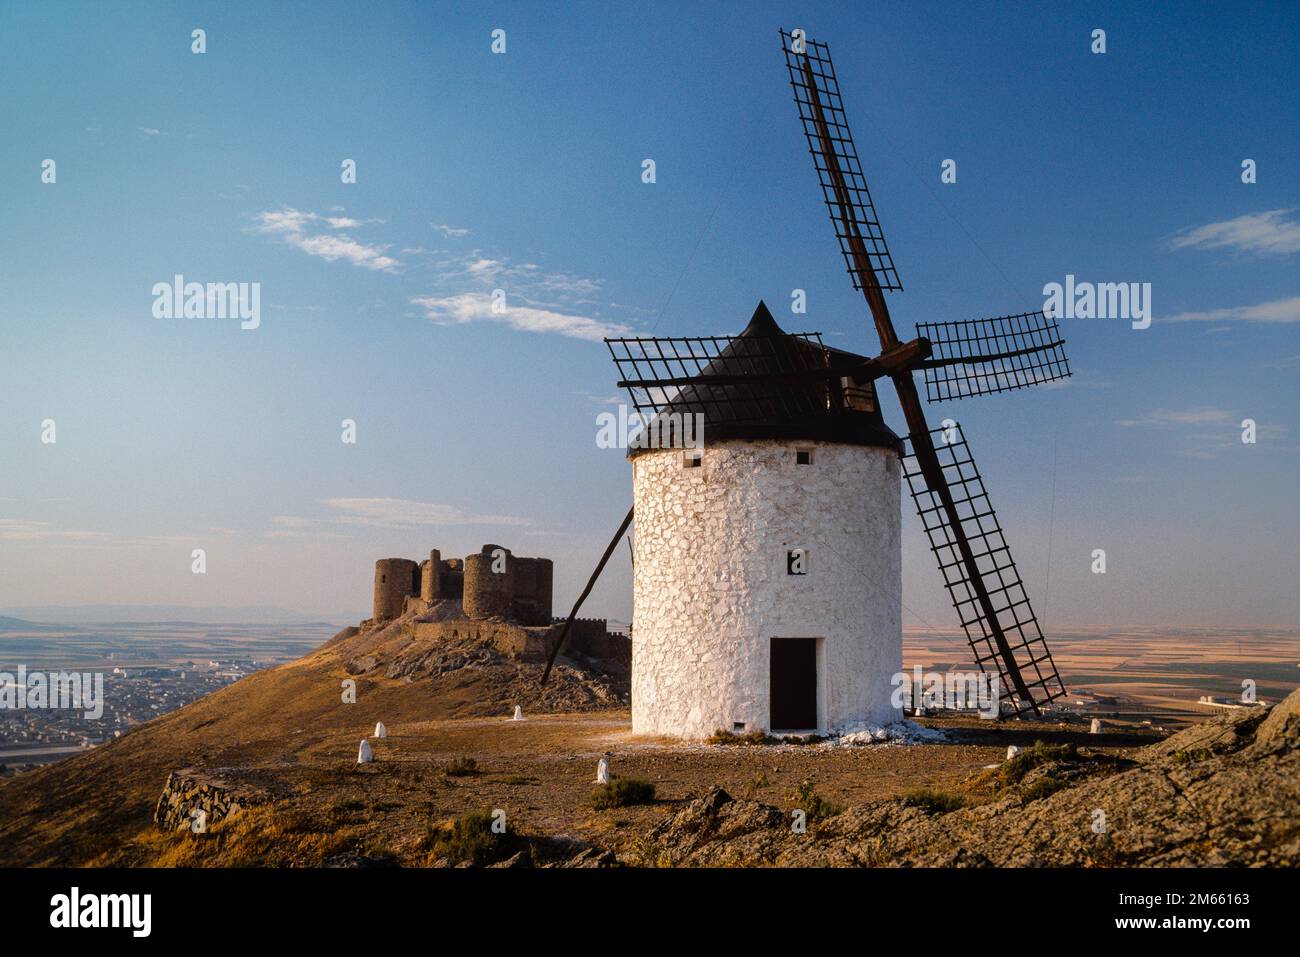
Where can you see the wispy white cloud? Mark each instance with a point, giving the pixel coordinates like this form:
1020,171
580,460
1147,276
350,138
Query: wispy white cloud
23,530
1277,310
297,228
292,521
477,307
1212,430
603,399
1167,417
1208,445
149,131
532,300
1270,233
483,268
403,513
535,300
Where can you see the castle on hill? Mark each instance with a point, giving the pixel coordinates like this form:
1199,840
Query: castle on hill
492,595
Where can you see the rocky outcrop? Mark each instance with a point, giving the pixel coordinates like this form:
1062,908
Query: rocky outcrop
1223,793
191,796
446,652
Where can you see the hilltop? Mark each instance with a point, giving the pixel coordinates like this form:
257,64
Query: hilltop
72,811
283,745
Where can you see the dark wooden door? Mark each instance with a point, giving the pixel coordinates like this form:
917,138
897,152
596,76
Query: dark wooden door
794,684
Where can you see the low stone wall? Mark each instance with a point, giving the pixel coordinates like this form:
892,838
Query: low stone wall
515,641
522,643
189,789
591,637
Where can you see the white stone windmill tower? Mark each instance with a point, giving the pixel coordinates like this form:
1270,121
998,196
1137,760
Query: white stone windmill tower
767,586
767,577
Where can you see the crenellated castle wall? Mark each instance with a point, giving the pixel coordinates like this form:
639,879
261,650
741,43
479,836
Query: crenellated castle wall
493,583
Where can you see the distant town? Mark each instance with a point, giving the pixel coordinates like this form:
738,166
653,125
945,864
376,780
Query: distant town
149,669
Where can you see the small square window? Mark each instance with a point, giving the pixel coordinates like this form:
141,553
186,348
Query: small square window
692,458
796,561
803,457
737,726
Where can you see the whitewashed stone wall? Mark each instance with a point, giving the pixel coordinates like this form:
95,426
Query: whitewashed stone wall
711,588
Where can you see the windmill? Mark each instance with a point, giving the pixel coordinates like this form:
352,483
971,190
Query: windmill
766,386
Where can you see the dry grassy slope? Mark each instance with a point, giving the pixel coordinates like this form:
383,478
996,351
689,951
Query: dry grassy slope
70,812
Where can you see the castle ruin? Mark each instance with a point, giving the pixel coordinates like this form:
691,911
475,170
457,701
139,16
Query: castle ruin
492,595
490,584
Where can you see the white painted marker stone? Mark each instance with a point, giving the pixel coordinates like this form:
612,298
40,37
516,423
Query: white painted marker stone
364,754
1012,751
519,714
1096,726
602,771
380,730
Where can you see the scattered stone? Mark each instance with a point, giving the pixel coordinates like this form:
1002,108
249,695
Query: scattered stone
1095,727
591,857
191,789
1012,751
896,732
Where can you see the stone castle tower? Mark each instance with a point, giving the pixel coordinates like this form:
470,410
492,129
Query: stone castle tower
490,583
767,581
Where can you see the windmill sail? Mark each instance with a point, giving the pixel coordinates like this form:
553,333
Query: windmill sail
983,356
977,587
1003,631
577,605
835,157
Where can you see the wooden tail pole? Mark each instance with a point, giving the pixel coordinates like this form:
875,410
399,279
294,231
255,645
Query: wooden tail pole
591,583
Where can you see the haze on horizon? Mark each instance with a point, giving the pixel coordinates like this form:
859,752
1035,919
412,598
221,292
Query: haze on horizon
522,171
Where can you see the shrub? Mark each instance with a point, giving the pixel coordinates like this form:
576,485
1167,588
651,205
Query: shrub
461,767
722,736
934,802
756,784
1014,770
646,852
802,739
470,838
622,792
813,805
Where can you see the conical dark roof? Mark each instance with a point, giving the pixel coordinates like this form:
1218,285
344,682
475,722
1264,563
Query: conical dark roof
782,406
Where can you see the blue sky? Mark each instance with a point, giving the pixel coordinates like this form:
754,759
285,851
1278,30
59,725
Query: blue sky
522,171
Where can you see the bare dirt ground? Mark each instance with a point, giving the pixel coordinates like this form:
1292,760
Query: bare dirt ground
541,772
287,729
